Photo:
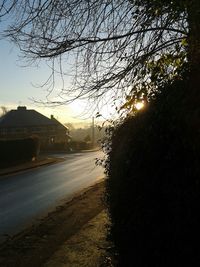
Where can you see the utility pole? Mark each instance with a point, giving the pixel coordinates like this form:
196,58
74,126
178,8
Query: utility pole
92,132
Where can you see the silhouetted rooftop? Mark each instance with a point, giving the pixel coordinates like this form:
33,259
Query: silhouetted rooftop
22,117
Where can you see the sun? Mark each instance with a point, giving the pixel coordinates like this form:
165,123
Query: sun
139,105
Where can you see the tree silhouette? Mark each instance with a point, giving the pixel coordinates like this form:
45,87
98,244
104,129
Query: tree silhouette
119,47
4,110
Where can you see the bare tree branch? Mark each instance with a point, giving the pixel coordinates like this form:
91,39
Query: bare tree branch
110,41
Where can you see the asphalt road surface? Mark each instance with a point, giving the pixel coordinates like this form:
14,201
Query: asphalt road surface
26,196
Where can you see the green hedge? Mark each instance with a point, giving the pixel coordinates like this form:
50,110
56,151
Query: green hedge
14,151
153,185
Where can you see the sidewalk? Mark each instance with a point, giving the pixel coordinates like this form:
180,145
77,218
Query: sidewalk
87,248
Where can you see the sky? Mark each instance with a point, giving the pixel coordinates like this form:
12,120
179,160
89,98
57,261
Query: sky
19,86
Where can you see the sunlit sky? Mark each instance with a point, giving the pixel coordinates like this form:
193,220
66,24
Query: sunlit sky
18,87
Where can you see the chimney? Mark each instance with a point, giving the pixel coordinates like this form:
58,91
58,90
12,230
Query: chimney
21,108
52,117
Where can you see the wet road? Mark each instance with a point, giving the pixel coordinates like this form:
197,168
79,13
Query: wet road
26,196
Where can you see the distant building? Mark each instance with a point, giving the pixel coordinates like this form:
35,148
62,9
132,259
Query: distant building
22,123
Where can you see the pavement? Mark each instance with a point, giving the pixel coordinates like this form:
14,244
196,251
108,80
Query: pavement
88,246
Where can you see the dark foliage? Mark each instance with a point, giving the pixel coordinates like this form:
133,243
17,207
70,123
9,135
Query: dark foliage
80,145
55,147
153,189
18,150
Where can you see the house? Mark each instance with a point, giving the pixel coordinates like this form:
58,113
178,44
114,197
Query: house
22,123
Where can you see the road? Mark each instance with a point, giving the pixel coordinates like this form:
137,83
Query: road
27,196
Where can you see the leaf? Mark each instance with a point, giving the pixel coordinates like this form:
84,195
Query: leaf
184,42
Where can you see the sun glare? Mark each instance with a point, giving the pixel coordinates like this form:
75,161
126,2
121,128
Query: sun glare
139,105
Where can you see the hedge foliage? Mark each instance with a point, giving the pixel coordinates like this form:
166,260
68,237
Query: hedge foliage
14,151
153,185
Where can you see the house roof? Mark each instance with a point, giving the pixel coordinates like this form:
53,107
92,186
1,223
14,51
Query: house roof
22,117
